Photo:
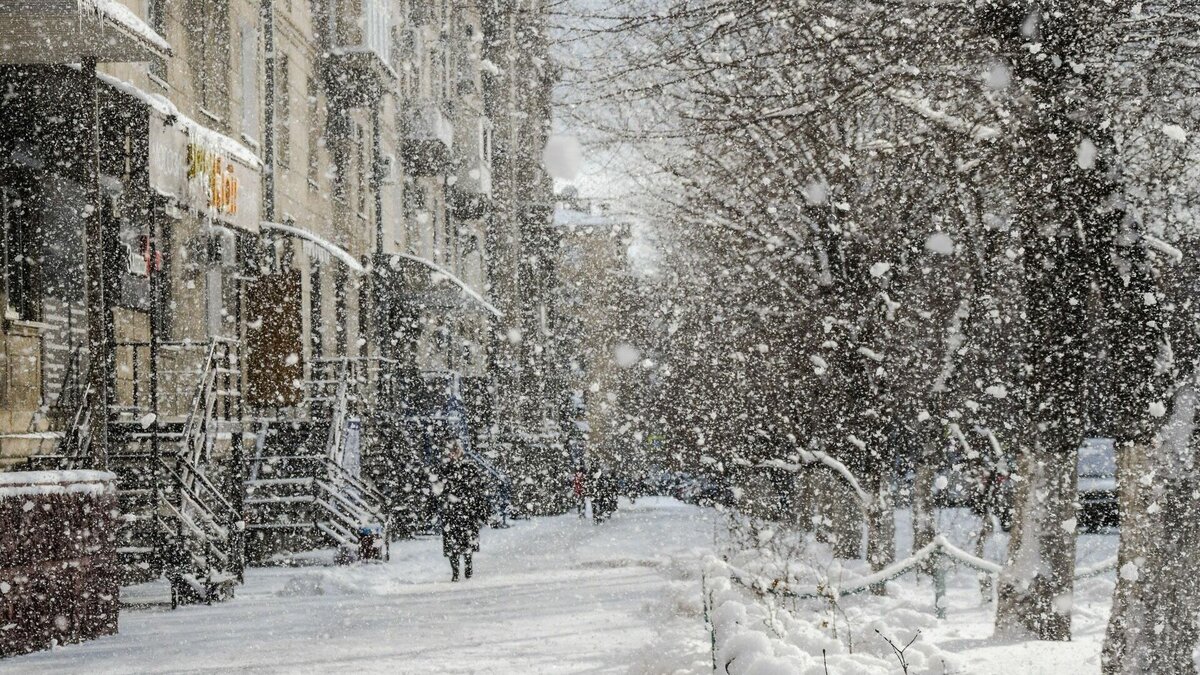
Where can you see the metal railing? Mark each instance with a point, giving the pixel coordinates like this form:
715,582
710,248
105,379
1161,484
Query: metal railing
349,376
180,364
212,401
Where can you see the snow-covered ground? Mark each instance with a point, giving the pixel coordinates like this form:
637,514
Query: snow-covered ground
967,630
560,595
781,635
550,595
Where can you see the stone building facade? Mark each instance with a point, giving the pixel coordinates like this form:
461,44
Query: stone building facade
308,179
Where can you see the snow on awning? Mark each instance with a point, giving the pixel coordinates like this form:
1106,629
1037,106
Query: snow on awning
324,244
170,112
443,273
66,31
197,166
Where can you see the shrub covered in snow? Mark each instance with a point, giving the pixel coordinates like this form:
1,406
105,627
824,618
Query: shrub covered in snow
757,635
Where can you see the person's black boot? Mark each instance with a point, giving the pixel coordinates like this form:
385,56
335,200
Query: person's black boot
454,569
467,566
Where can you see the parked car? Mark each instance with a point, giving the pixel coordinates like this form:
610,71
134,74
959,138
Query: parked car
1097,484
704,491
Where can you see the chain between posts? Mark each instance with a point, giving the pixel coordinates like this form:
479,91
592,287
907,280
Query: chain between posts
936,551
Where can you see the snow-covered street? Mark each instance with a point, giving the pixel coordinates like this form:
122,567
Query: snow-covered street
550,595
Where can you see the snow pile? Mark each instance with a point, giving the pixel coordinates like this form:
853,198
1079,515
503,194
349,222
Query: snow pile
357,580
678,649
32,483
759,636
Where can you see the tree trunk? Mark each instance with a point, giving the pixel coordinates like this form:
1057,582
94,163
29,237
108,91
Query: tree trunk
1153,625
986,529
1036,586
1068,211
881,529
924,515
841,516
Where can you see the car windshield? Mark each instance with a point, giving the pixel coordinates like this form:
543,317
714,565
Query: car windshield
1097,457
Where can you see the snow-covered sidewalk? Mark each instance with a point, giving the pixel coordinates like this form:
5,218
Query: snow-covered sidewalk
550,595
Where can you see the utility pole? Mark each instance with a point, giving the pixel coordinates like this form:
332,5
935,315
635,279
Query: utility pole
100,327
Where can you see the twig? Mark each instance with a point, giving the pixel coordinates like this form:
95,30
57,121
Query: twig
900,650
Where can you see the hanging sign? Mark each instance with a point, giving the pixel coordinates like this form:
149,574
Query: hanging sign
213,178
202,175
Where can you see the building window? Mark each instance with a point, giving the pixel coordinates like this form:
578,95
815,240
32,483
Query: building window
447,75
208,39
360,168
315,301
156,17
21,259
376,21
249,76
414,213
283,110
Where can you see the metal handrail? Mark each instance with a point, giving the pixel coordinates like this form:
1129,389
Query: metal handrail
207,381
345,476
77,440
204,482
360,359
196,437
341,404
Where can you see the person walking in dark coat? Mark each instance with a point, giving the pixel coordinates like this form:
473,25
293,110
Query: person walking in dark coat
464,509
604,500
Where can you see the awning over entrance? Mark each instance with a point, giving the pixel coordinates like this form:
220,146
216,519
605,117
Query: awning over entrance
67,31
325,245
439,273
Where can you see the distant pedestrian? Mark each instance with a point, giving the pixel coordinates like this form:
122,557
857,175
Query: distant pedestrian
580,493
464,509
604,491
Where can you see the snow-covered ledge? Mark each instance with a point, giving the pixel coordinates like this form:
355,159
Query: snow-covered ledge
29,483
64,31
116,13
203,135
